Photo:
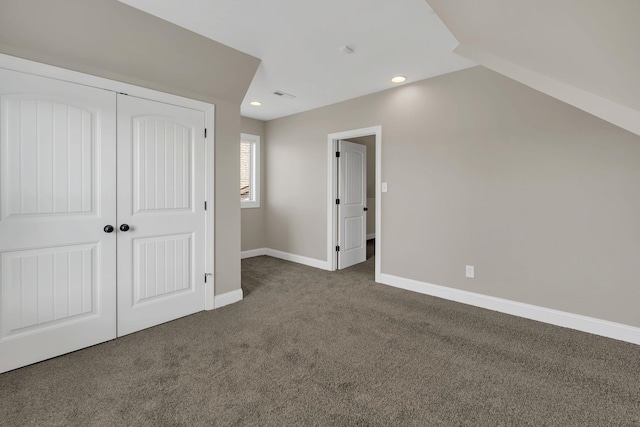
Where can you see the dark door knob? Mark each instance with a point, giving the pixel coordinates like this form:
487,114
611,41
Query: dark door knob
124,227
366,209
108,228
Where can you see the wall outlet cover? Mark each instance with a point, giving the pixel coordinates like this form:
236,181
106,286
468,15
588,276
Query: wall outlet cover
470,271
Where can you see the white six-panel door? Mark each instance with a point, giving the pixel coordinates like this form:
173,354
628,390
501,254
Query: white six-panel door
57,193
161,163
352,192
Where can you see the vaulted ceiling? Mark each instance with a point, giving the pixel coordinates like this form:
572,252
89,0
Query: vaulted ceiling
583,52
109,39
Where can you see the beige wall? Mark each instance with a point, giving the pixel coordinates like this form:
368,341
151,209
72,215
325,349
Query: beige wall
370,142
112,40
253,219
539,196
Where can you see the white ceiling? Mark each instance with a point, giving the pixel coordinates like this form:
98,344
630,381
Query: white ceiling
299,41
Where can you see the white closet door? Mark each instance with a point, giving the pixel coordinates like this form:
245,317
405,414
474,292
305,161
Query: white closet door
57,193
352,192
161,202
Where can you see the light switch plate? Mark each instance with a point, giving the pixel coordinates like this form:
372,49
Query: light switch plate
384,187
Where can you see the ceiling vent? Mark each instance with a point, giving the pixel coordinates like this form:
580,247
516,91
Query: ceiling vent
284,94
346,50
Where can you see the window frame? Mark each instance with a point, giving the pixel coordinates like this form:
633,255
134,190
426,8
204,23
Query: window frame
254,170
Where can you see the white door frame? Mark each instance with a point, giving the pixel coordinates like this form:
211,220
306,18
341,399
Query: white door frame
332,220
36,68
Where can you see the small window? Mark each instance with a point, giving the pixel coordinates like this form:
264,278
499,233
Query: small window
249,171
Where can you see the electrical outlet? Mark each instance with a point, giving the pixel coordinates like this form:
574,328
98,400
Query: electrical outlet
470,271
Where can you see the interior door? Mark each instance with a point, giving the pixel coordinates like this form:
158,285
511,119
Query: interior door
352,193
160,213
57,194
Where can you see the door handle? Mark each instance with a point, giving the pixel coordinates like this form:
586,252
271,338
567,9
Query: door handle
108,228
366,209
124,227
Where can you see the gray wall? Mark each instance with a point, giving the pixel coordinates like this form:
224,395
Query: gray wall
253,219
109,39
539,196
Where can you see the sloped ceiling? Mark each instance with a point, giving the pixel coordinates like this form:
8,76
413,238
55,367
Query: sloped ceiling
583,52
110,39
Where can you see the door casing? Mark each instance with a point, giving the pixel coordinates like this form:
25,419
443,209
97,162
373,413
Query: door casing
332,173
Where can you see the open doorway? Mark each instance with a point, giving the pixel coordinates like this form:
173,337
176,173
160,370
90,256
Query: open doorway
372,235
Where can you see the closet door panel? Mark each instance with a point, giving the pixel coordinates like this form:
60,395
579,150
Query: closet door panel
57,193
161,201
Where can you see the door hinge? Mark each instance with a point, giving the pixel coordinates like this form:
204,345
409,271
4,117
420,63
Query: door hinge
337,248
337,154
205,205
205,276
205,132
337,201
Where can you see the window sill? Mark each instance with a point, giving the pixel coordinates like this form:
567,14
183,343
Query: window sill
249,205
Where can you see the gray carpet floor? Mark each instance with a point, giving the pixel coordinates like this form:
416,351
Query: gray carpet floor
309,347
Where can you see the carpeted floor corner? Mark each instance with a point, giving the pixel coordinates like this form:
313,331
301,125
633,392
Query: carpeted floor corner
310,347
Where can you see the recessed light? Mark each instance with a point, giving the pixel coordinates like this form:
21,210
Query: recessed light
398,79
255,103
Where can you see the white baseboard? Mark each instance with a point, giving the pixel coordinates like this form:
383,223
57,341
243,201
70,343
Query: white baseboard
253,252
228,298
311,262
371,236
578,322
